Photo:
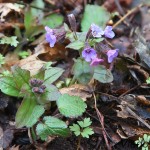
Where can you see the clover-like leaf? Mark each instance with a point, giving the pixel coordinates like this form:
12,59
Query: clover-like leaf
85,123
86,132
76,129
71,106
9,40
51,126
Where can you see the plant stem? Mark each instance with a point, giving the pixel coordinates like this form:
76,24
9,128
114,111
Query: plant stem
79,142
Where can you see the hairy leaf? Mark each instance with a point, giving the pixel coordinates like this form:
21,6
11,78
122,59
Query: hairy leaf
52,74
51,94
77,45
82,71
29,112
53,20
51,127
71,106
20,76
94,14
102,74
8,86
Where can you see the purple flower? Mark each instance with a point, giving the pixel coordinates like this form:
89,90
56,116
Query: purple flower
89,54
50,37
112,54
108,32
96,61
96,31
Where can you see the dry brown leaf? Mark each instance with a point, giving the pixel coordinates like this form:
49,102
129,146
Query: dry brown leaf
5,8
77,90
31,63
10,60
142,100
5,137
128,130
14,147
46,53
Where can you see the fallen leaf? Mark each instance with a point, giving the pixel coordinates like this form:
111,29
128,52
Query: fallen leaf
142,100
46,53
6,8
77,90
5,137
31,63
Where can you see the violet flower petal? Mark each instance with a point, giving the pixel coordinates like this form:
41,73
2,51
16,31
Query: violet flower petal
108,32
50,37
96,31
96,61
88,54
112,54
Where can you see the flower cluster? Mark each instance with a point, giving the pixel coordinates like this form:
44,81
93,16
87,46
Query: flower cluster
89,54
37,86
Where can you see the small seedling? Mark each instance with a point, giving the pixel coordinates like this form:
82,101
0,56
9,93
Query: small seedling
82,128
148,81
24,54
143,142
2,61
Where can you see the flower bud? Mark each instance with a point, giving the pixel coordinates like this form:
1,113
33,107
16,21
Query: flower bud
35,82
72,22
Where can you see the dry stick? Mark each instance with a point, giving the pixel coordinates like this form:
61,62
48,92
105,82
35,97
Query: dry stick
137,117
101,120
125,16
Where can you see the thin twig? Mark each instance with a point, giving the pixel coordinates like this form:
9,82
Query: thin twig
125,16
101,120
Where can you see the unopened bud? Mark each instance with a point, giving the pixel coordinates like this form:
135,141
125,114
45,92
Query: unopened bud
72,21
42,87
36,82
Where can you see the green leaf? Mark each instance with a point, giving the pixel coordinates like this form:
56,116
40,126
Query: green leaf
9,40
20,76
82,71
8,86
86,132
52,74
92,42
29,112
71,106
51,94
94,14
77,45
85,123
31,16
102,74
148,81
76,129
51,127
53,20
